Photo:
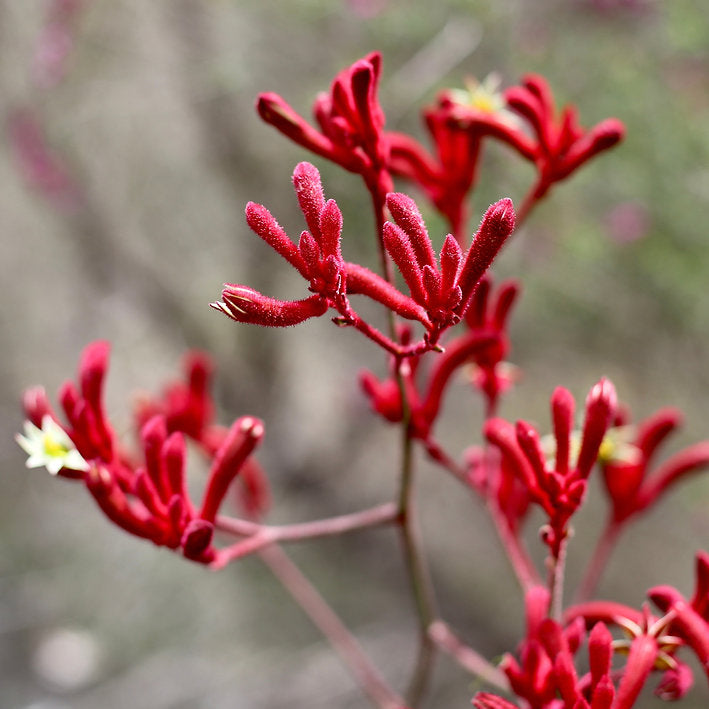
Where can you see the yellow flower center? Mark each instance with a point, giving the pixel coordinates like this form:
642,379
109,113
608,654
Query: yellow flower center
52,447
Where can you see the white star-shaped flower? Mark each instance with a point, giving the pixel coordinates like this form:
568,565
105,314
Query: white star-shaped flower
50,447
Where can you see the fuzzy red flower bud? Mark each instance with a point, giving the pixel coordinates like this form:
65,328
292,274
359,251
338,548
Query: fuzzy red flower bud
497,224
405,213
262,223
245,434
247,305
600,407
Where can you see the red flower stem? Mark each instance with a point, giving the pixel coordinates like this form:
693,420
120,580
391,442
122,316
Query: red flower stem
330,625
520,561
466,657
350,318
599,559
260,536
438,455
556,581
522,565
517,555
419,576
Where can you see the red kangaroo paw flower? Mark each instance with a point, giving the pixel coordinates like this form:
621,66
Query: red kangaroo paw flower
627,461
560,489
262,223
145,493
686,623
497,224
246,305
362,281
446,291
600,406
350,119
641,660
600,653
317,257
245,434
405,213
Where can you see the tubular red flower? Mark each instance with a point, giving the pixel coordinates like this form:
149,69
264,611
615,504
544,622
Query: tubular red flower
631,485
643,653
559,491
146,493
686,622
445,291
262,223
350,118
246,305
244,435
600,653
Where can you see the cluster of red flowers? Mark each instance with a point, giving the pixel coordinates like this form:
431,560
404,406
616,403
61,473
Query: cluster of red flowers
145,493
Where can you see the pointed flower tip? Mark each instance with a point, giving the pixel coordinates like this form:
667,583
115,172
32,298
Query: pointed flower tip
362,67
304,170
503,214
609,132
252,427
155,429
401,204
95,355
562,397
175,445
604,393
374,58
270,106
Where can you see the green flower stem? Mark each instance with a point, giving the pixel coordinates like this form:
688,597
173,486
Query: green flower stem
419,577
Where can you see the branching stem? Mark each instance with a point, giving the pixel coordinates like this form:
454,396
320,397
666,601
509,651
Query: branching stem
259,536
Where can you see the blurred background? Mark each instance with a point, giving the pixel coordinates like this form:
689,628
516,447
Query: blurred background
129,148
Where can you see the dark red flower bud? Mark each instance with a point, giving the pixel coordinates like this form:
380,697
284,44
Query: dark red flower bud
197,539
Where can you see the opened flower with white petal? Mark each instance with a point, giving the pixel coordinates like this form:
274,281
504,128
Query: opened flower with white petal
50,447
